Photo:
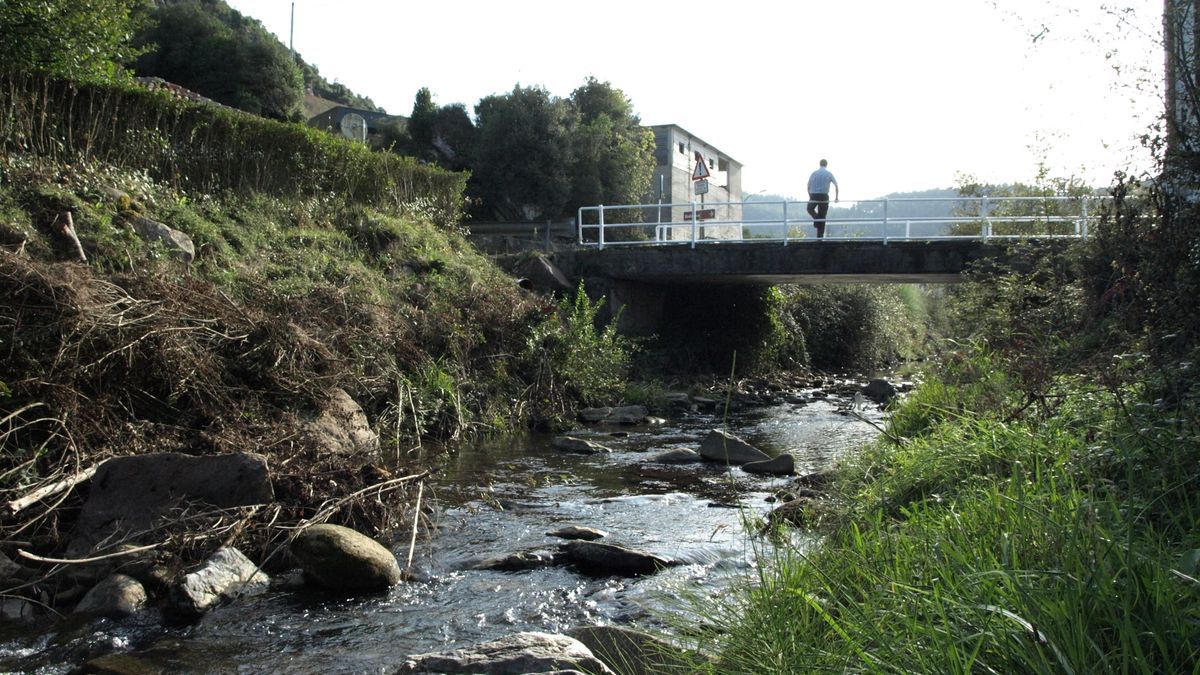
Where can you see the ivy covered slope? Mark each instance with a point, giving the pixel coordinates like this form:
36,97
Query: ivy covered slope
316,265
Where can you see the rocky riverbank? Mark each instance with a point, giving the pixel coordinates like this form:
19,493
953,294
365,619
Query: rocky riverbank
127,496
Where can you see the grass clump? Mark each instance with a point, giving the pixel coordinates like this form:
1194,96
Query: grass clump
986,541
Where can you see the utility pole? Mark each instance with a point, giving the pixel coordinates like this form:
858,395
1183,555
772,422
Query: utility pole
292,32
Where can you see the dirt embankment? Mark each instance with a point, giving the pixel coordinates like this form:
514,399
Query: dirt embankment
328,347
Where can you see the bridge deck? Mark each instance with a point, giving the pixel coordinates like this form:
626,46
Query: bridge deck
810,262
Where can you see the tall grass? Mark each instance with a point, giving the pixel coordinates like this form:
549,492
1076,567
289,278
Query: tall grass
984,544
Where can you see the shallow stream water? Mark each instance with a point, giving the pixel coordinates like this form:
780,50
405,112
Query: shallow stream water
494,498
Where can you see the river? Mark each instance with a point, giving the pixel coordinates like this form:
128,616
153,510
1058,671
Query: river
496,497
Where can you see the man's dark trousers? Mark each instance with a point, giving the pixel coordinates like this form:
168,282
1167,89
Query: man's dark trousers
818,207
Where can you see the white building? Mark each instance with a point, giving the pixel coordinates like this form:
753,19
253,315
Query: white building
677,152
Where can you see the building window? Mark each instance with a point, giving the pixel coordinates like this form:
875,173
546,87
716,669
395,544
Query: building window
682,151
710,163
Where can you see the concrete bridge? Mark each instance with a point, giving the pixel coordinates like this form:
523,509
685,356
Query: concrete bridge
810,262
639,280
639,256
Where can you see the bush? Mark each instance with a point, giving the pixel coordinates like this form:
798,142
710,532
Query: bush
582,361
202,149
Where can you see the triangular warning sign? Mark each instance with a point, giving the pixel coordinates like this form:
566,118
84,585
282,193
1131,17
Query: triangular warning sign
701,171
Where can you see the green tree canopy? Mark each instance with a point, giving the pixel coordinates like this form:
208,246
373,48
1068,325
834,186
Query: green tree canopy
210,48
541,157
521,165
443,135
78,39
613,158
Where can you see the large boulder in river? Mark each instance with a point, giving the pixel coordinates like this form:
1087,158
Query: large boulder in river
595,414
341,559
226,575
597,559
520,653
724,447
132,494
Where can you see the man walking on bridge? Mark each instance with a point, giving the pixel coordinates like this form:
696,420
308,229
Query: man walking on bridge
818,196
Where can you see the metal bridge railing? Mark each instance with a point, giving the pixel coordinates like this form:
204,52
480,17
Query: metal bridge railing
882,220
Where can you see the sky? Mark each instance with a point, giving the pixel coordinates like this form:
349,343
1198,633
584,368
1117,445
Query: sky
898,96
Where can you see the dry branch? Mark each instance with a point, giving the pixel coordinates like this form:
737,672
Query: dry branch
18,505
67,229
412,542
83,561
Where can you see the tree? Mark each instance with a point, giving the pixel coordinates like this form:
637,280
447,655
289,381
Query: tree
540,157
613,158
421,122
78,39
210,48
1024,209
444,136
523,154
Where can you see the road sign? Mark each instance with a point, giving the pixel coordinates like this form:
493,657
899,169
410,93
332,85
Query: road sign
702,214
701,187
701,171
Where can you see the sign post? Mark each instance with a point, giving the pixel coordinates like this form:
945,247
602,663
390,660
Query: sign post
699,187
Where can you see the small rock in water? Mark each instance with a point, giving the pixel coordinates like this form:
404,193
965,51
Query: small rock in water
598,559
783,465
342,559
227,574
678,400
595,414
577,532
520,653
521,561
632,652
578,446
116,596
677,457
720,446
